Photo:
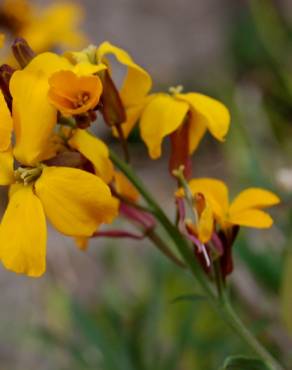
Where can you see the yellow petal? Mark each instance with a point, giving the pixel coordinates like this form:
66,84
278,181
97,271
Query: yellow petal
215,192
125,188
34,116
210,111
162,116
137,82
95,151
76,202
2,39
86,68
6,168
197,130
48,63
55,26
6,124
253,198
72,94
23,234
206,222
133,113
251,218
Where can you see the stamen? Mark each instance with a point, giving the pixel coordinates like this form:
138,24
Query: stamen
190,200
176,89
28,175
205,254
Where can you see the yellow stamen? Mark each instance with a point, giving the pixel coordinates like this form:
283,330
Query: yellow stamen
176,89
28,175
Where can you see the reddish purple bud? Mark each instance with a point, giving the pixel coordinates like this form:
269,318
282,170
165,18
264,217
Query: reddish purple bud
22,52
67,159
112,107
5,75
217,243
118,234
180,150
144,219
226,260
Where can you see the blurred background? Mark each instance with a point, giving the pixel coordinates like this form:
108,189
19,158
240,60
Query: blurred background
121,305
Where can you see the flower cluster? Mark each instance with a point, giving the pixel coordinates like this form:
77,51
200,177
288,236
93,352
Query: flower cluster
46,28
57,169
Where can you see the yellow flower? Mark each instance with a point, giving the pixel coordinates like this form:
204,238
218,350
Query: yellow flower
34,79
160,114
44,29
135,86
75,202
72,94
33,116
244,210
165,114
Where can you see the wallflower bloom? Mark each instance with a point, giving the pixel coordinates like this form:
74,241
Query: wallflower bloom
121,105
72,94
135,86
222,220
76,202
185,117
166,114
244,210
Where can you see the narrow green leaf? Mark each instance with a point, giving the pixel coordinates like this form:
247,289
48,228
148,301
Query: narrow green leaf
244,363
286,293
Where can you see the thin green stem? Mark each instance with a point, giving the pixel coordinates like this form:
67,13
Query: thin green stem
218,279
222,305
123,142
163,247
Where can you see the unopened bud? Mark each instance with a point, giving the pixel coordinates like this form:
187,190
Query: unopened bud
112,107
5,75
179,155
22,52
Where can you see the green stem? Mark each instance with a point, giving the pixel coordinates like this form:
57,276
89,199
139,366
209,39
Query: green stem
222,305
160,244
236,324
218,279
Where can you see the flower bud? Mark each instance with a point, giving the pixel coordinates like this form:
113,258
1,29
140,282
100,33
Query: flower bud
5,74
112,107
22,52
179,155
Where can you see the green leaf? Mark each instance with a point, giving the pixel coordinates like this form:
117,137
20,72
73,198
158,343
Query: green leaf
188,297
286,293
244,363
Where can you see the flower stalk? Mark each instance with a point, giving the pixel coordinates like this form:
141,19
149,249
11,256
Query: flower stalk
220,302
